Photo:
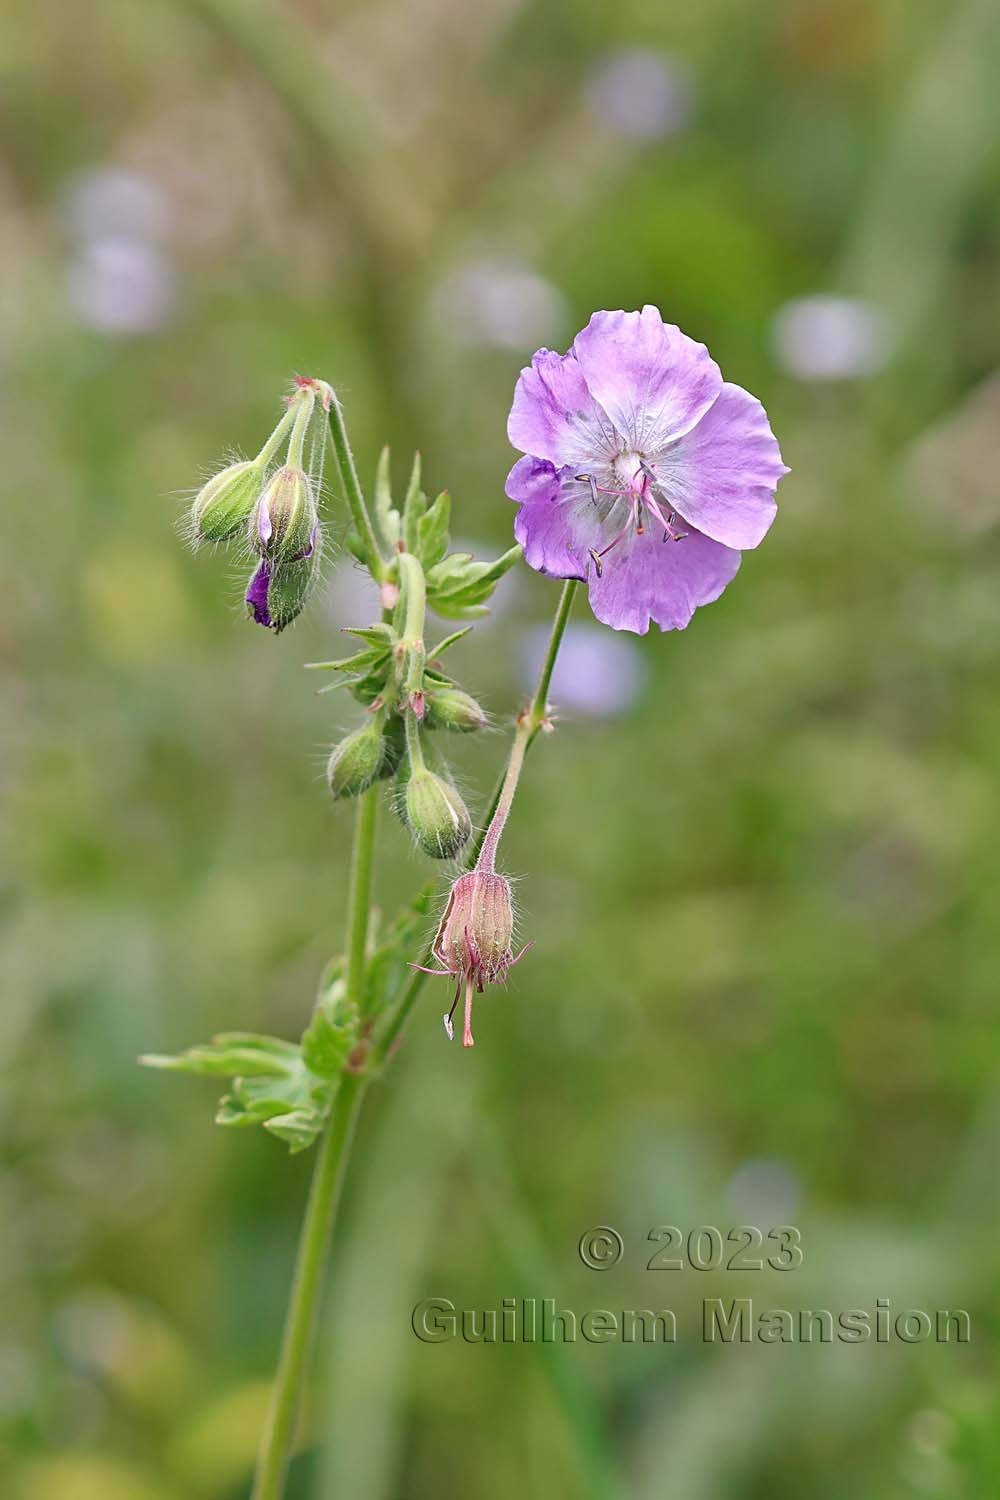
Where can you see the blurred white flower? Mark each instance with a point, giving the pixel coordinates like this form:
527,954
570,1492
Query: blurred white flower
765,1192
825,337
120,286
597,673
100,203
641,95
500,301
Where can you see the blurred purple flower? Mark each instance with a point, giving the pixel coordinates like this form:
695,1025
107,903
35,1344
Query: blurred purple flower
633,441
121,287
831,338
100,203
640,95
596,674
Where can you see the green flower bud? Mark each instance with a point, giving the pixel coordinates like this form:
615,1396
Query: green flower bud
393,746
356,761
224,504
435,814
450,708
283,525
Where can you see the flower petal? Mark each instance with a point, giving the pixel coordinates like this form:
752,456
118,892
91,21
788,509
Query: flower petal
557,524
721,476
554,415
257,593
649,579
651,379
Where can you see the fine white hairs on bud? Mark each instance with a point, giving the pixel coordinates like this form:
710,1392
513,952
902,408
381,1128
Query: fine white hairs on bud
435,813
223,505
474,940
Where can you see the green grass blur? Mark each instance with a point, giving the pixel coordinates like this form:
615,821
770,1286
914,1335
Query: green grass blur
764,896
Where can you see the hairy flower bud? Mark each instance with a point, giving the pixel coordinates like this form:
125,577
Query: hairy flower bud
435,814
474,940
356,761
284,520
393,746
451,708
277,592
224,504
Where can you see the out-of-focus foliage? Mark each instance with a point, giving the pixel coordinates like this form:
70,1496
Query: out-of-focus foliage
761,881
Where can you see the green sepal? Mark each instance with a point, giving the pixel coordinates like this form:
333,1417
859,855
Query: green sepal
432,532
434,652
387,516
414,506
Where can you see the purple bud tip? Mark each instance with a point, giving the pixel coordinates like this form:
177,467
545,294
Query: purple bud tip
256,595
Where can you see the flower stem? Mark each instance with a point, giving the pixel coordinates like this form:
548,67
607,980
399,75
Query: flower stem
324,1192
352,488
529,724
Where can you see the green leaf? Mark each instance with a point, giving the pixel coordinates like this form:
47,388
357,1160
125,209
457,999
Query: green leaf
298,1129
233,1052
356,547
329,1037
432,531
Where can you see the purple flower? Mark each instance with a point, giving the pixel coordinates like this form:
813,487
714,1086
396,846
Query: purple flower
645,473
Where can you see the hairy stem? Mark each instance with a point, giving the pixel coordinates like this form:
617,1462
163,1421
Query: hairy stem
352,489
324,1193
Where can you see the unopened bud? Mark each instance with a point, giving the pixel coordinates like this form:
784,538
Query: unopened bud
224,504
451,708
277,592
435,813
284,520
356,761
393,746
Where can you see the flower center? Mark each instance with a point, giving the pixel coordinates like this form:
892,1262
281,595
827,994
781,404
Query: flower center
628,471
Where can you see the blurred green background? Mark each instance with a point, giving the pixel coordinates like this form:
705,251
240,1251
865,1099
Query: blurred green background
758,860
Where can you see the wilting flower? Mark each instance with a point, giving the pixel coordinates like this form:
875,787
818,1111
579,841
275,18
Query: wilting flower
646,474
473,942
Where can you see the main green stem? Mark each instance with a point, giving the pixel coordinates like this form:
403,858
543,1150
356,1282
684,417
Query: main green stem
331,1161
324,1193
352,488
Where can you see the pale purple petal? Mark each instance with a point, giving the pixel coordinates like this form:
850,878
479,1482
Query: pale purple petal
556,524
554,415
721,476
256,595
648,579
651,379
